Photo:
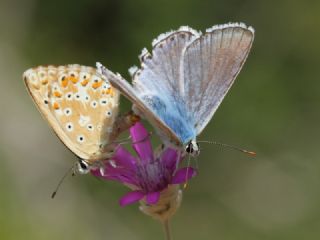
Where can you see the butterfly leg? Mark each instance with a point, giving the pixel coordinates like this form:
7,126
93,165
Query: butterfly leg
123,123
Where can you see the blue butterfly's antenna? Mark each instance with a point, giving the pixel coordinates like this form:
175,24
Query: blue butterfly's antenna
250,153
186,180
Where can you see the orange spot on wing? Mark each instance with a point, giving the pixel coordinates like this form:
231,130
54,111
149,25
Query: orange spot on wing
44,81
73,79
84,82
95,85
57,94
64,82
56,106
110,91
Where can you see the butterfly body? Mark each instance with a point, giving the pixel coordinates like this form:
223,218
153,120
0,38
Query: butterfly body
174,114
182,82
80,107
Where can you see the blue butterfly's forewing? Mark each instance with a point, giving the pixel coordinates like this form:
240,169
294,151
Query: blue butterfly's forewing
181,84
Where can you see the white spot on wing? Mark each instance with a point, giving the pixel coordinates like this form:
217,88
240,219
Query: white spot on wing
103,101
132,70
109,113
143,53
80,138
84,120
69,96
69,127
90,127
67,111
94,104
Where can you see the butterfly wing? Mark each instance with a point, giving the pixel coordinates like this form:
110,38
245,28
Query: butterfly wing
79,106
129,92
210,66
156,90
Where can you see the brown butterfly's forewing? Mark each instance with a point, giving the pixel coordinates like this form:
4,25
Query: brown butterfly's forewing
79,106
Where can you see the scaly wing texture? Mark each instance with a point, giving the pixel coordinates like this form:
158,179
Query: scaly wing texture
156,88
129,92
79,106
210,66
160,70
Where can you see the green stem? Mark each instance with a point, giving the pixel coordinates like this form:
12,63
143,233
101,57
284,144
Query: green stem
167,230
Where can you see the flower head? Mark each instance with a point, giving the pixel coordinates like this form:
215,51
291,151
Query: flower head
148,174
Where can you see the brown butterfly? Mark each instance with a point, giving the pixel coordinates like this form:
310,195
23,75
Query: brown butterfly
81,108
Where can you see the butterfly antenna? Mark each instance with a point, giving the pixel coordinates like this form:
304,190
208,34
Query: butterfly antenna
61,181
250,153
187,174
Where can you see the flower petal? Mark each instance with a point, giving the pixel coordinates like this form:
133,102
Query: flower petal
131,197
169,157
121,176
123,158
141,142
152,198
183,175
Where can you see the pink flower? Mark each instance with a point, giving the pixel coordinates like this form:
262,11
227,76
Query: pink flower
147,174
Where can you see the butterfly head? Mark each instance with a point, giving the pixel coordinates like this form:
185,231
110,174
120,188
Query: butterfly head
82,167
192,148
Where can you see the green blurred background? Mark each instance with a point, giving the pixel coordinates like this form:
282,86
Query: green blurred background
273,109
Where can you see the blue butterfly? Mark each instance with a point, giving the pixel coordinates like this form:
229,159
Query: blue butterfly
181,84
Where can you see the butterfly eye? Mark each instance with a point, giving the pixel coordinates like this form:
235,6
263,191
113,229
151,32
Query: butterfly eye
82,167
189,148
80,138
69,126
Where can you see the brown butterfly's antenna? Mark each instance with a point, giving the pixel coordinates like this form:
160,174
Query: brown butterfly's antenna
250,153
61,181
